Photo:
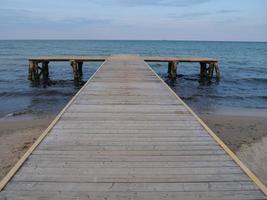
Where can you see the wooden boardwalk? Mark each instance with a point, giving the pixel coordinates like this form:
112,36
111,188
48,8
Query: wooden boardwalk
126,135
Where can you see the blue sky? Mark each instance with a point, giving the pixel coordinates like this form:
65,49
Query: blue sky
234,20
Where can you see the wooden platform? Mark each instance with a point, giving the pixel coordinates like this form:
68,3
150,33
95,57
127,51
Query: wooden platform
126,135
37,71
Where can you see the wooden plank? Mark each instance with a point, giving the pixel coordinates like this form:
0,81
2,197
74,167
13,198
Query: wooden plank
133,187
134,178
68,58
210,195
106,164
120,158
129,171
128,153
179,59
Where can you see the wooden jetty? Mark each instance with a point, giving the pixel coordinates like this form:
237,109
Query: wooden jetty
127,135
38,67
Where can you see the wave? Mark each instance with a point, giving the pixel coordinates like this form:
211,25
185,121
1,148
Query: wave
255,80
232,97
37,93
242,63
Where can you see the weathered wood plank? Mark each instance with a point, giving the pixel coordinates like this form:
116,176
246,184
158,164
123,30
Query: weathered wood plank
134,178
107,164
133,187
210,195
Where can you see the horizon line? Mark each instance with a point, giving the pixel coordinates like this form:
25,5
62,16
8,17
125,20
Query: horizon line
171,40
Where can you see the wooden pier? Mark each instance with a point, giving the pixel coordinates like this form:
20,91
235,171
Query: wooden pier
38,67
127,135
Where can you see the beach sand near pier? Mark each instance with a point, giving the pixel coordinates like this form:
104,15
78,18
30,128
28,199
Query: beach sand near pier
17,134
244,132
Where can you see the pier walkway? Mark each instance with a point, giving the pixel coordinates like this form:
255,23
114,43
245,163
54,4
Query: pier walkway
126,135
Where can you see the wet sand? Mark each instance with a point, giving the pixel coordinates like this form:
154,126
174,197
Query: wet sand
244,132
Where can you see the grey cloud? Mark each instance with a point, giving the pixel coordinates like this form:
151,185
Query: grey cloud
13,12
195,15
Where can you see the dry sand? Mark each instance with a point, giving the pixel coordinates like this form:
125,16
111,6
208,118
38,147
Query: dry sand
245,133
16,136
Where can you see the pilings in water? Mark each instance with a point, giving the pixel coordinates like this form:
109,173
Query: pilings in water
36,72
77,67
207,70
39,69
172,69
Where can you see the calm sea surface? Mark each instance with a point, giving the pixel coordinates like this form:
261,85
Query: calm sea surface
243,73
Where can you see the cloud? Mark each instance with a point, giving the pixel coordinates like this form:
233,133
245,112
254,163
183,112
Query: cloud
18,17
168,3
196,15
81,20
6,13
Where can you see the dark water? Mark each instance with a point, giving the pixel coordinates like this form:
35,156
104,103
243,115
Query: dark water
243,73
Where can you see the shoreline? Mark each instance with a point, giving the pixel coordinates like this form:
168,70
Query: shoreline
242,130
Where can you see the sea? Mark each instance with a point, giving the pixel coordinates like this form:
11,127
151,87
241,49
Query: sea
243,67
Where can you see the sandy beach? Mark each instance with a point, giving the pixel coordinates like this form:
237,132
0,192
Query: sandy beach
17,134
244,132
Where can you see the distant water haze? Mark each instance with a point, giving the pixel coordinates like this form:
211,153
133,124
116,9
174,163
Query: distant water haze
243,73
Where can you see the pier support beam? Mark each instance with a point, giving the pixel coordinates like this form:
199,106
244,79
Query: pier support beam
33,71
36,72
30,73
217,70
80,68
77,69
211,70
203,70
207,72
45,70
172,69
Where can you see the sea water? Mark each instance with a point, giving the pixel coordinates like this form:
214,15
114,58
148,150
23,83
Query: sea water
243,67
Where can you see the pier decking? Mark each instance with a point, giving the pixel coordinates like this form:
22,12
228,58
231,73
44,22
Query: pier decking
126,135
38,67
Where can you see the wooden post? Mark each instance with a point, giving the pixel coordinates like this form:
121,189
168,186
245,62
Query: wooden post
45,70
33,71
80,68
217,70
74,65
169,68
172,69
30,74
36,76
203,70
211,69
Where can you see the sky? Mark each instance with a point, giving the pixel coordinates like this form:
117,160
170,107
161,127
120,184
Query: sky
212,20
